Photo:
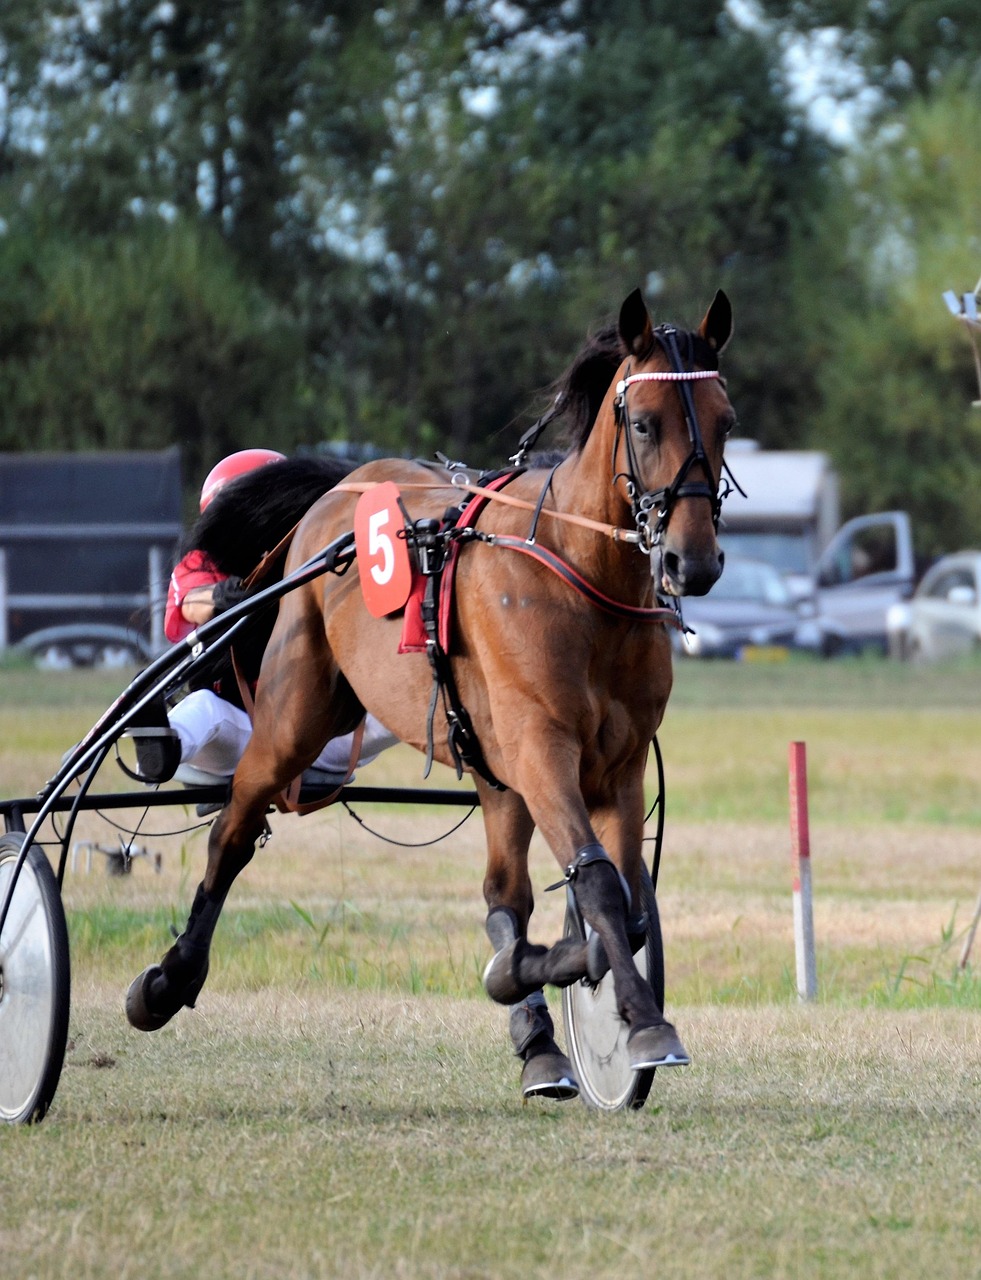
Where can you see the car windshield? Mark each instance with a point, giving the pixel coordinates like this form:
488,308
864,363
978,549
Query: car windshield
787,552
750,580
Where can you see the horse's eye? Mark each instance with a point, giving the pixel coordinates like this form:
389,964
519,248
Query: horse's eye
646,426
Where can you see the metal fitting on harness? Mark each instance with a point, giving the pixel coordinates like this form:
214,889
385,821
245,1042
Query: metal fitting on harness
424,536
431,539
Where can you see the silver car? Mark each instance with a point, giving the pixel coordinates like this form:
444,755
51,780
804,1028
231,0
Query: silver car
944,615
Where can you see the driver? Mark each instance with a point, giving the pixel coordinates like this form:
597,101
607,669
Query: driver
212,726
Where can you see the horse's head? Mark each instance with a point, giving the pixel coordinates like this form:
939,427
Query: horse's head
673,417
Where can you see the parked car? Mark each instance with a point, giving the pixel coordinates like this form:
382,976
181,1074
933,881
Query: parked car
789,517
943,619
750,609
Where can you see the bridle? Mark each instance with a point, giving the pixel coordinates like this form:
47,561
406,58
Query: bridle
652,508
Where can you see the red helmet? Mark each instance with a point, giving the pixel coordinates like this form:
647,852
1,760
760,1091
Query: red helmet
236,464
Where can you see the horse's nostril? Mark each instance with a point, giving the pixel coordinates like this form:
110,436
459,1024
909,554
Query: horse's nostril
671,564
691,575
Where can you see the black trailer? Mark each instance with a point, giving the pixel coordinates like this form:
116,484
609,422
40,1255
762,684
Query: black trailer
86,544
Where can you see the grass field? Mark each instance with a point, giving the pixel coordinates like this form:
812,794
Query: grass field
343,1101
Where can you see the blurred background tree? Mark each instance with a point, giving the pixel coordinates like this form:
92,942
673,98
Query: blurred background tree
285,222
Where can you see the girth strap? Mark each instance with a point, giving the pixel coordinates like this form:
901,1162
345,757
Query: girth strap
462,740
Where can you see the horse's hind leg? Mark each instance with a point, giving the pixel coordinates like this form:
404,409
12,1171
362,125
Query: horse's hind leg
291,727
546,1071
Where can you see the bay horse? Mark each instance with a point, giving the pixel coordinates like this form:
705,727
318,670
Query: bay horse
564,687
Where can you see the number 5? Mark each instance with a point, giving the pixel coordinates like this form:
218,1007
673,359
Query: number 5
380,543
384,567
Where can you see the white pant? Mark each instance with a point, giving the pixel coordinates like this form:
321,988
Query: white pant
214,733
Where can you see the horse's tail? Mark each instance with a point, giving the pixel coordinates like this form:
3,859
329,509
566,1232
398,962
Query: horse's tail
245,519
252,514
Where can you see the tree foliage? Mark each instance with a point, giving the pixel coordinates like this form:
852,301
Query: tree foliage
289,221
144,339
898,378
906,47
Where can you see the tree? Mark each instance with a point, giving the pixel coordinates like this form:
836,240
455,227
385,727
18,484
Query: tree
628,143
143,341
898,378
434,200
906,48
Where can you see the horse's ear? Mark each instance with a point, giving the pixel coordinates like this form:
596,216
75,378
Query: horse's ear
716,327
635,325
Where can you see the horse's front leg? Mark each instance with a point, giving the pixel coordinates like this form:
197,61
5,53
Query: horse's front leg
546,1071
163,989
551,787
619,827
620,830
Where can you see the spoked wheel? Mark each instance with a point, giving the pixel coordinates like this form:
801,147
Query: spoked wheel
596,1035
34,985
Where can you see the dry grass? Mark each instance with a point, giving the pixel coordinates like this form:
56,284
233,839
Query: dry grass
343,1101
281,1135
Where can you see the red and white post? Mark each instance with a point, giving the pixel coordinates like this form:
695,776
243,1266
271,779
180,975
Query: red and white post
800,838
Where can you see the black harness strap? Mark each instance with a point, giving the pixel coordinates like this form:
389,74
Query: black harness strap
461,737
431,539
659,503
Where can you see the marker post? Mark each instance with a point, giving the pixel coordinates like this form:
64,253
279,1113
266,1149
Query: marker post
801,853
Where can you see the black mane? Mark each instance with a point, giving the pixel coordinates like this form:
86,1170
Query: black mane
579,392
252,514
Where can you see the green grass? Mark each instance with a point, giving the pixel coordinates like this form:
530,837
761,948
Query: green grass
278,1135
343,1100
847,684
894,760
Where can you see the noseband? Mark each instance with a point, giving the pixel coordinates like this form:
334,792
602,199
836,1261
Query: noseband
651,508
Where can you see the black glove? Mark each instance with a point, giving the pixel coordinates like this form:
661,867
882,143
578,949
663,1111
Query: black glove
228,593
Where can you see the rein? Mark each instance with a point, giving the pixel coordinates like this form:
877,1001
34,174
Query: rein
631,612
608,530
528,546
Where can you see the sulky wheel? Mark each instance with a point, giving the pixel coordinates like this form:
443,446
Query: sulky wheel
596,1035
34,985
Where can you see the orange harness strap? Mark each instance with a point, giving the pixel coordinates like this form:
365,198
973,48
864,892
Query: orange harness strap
609,530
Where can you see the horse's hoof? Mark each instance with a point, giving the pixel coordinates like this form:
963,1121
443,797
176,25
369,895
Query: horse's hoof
657,1046
148,1009
500,981
549,1075
138,1010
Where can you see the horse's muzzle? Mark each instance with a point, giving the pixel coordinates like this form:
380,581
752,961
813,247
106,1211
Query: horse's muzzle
690,575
